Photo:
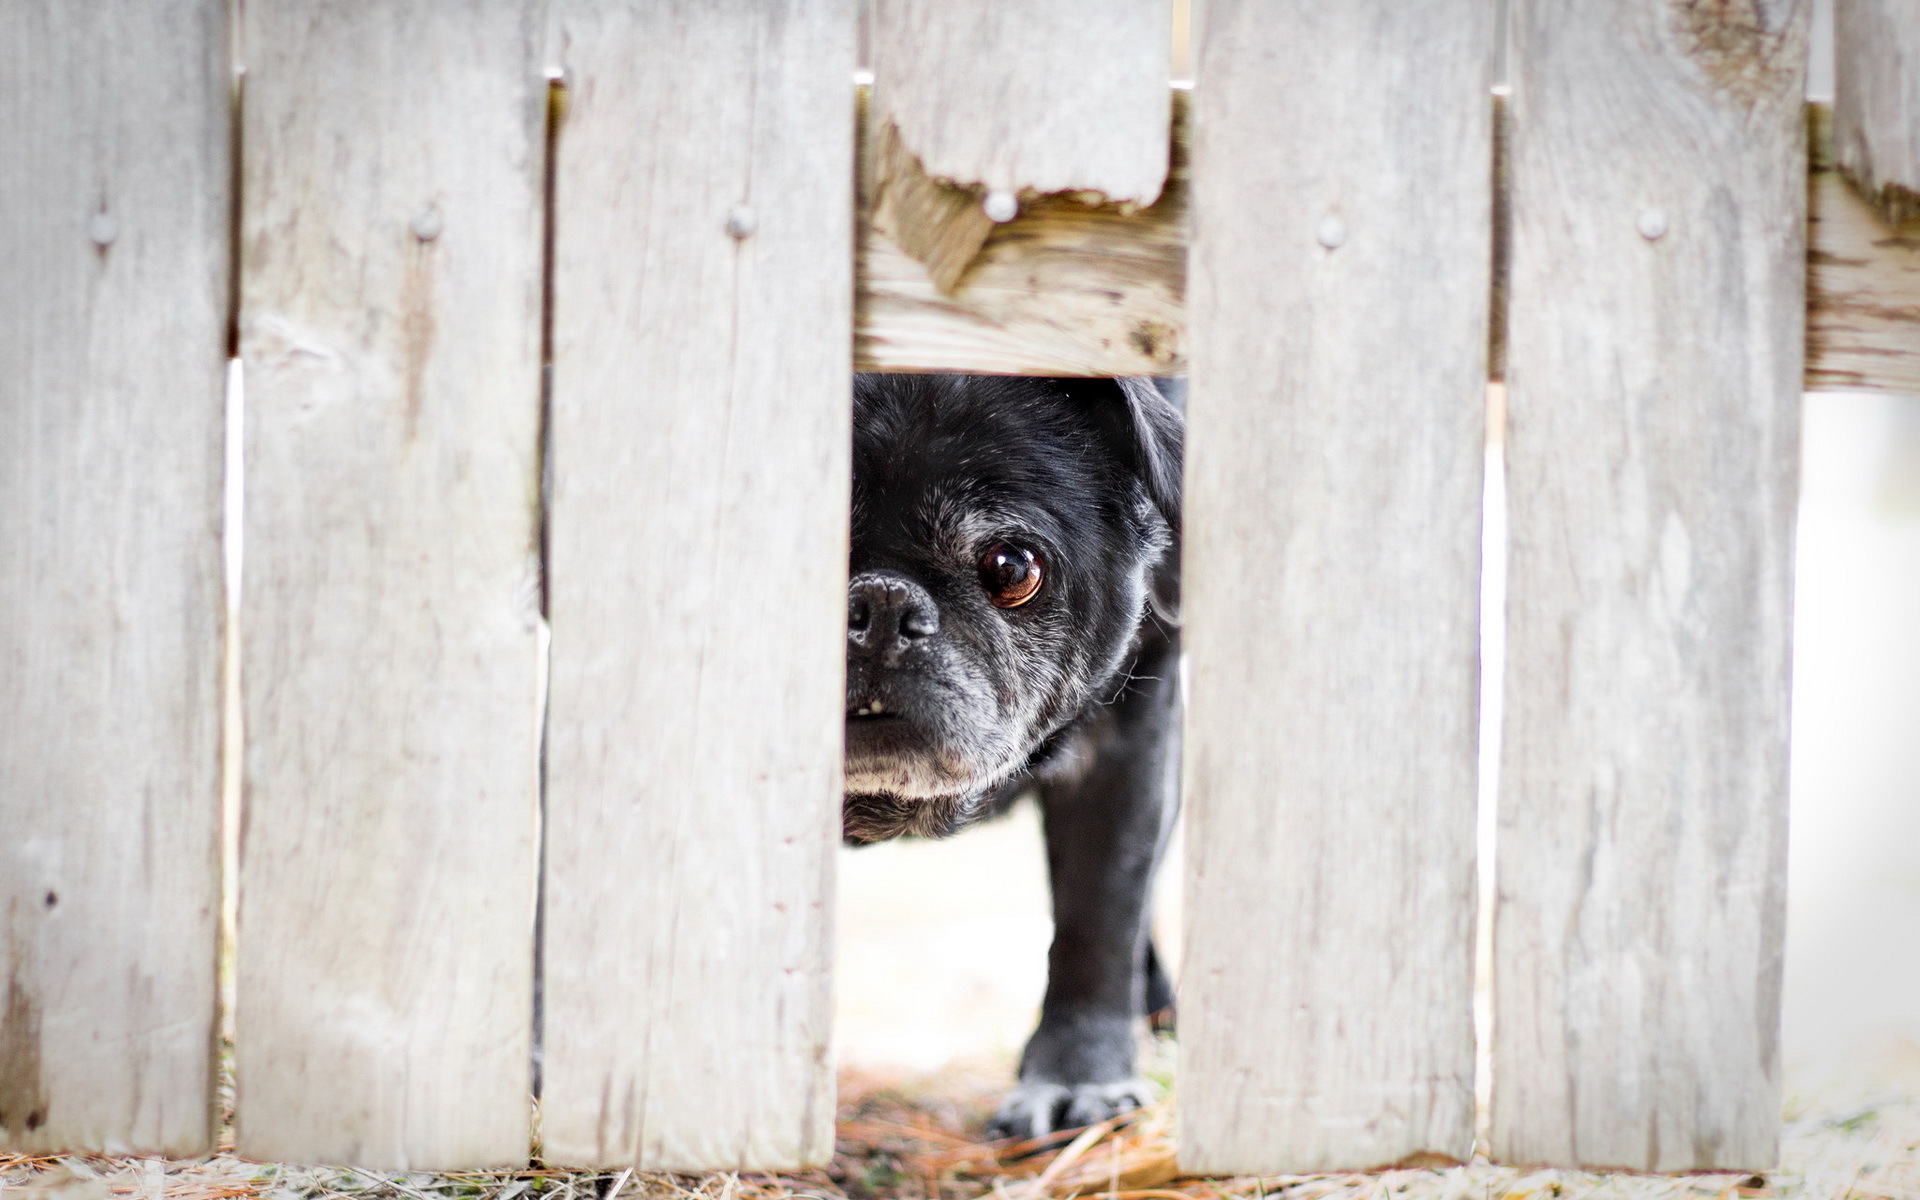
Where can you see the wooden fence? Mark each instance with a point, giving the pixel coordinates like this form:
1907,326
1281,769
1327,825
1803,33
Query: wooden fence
399,243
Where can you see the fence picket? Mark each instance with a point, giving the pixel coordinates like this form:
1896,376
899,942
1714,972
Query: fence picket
390,333
702,325
1876,103
114,186
1034,96
1654,367
1341,153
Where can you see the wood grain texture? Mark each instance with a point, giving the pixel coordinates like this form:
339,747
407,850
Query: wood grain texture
1876,103
702,434
1076,289
1068,288
1654,371
1030,96
940,226
1334,461
390,334
114,187
1024,96
1863,283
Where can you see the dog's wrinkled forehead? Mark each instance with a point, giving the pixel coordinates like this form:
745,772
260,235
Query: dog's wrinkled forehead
956,459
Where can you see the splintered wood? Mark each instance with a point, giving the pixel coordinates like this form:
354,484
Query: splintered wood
1075,289
1863,282
1334,462
114,193
390,329
1654,374
1067,289
1025,98
701,444
1877,101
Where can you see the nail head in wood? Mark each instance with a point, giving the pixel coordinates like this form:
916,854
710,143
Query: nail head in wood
1001,206
1332,232
103,229
427,223
741,222
1652,224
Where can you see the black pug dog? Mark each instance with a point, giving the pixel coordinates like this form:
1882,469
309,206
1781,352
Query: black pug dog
1011,626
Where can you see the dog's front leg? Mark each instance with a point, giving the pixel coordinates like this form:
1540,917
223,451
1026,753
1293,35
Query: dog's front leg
1105,827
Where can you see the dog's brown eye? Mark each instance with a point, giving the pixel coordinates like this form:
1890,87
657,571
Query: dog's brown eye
1011,574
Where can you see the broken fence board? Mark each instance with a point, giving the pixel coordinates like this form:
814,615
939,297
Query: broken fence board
1023,96
1334,460
1653,399
1876,103
390,329
702,434
1067,289
1076,289
114,187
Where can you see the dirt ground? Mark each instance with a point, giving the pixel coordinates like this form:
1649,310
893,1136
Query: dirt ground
907,1136
941,965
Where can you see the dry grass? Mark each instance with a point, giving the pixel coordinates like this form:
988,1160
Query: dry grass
903,1138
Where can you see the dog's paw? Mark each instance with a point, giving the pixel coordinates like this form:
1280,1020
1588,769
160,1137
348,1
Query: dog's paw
1035,1110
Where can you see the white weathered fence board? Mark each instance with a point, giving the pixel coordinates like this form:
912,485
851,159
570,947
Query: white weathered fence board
1023,96
1067,289
1029,95
114,187
1876,102
1654,371
1334,461
390,332
702,319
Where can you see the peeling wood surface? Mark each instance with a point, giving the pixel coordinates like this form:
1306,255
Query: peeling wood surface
390,331
701,440
1654,379
1334,462
1076,289
1863,284
1067,289
1030,95
1876,109
1024,96
940,226
114,187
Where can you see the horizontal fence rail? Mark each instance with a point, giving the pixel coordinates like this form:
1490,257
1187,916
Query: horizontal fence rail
715,230
1074,289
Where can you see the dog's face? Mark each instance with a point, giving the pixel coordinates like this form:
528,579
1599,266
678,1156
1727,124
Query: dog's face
1004,533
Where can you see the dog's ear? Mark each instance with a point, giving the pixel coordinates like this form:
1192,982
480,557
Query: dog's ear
1141,420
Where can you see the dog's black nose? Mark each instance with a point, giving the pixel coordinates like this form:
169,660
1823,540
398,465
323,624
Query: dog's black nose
889,612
